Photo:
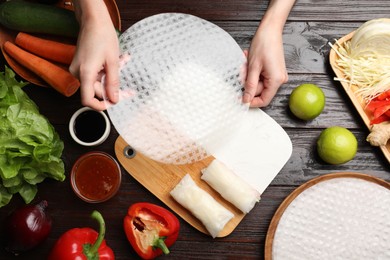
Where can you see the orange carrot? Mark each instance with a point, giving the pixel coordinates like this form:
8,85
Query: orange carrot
47,49
57,77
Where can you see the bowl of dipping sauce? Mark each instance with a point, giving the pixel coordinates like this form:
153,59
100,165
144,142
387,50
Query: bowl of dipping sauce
89,127
95,177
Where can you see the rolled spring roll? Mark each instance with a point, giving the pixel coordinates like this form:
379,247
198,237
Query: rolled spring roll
231,186
202,205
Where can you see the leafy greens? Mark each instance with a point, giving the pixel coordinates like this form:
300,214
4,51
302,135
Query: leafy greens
30,148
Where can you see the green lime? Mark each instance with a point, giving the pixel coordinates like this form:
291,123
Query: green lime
307,101
336,145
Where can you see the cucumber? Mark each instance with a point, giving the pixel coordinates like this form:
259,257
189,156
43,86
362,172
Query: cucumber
38,18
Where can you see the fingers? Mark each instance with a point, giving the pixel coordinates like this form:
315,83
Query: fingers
123,59
92,91
264,98
89,89
268,91
112,81
251,84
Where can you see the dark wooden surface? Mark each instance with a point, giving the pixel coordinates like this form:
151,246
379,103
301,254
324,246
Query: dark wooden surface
311,25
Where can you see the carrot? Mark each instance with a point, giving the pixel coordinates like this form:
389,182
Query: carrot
60,79
48,49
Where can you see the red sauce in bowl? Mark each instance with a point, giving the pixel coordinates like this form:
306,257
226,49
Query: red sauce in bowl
96,177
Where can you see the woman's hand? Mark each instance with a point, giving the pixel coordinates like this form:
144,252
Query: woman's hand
266,67
97,54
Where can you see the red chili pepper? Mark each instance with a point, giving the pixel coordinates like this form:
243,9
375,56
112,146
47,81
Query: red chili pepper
384,95
83,243
375,104
150,229
381,110
380,119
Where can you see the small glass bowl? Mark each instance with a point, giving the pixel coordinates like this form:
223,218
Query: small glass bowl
95,177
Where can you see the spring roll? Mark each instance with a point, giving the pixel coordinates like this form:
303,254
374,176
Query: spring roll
202,205
230,186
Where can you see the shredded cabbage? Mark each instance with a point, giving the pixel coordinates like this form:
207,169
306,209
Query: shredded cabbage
365,59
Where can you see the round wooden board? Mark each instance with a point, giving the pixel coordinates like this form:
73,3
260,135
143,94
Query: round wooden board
9,35
357,101
287,201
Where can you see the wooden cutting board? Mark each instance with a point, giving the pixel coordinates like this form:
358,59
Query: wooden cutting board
161,178
357,101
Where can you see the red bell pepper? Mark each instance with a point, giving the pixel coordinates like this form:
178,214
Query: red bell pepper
83,243
150,229
379,108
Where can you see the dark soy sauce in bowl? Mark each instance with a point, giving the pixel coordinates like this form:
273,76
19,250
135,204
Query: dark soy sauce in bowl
89,126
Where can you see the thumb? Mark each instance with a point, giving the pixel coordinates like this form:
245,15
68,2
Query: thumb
251,84
73,69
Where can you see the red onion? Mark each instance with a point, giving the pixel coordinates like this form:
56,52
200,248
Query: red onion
27,227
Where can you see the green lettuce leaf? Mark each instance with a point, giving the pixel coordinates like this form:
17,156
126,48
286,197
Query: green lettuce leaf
30,148
5,196
28,192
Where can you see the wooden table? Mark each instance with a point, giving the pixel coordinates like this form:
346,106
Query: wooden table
311,26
